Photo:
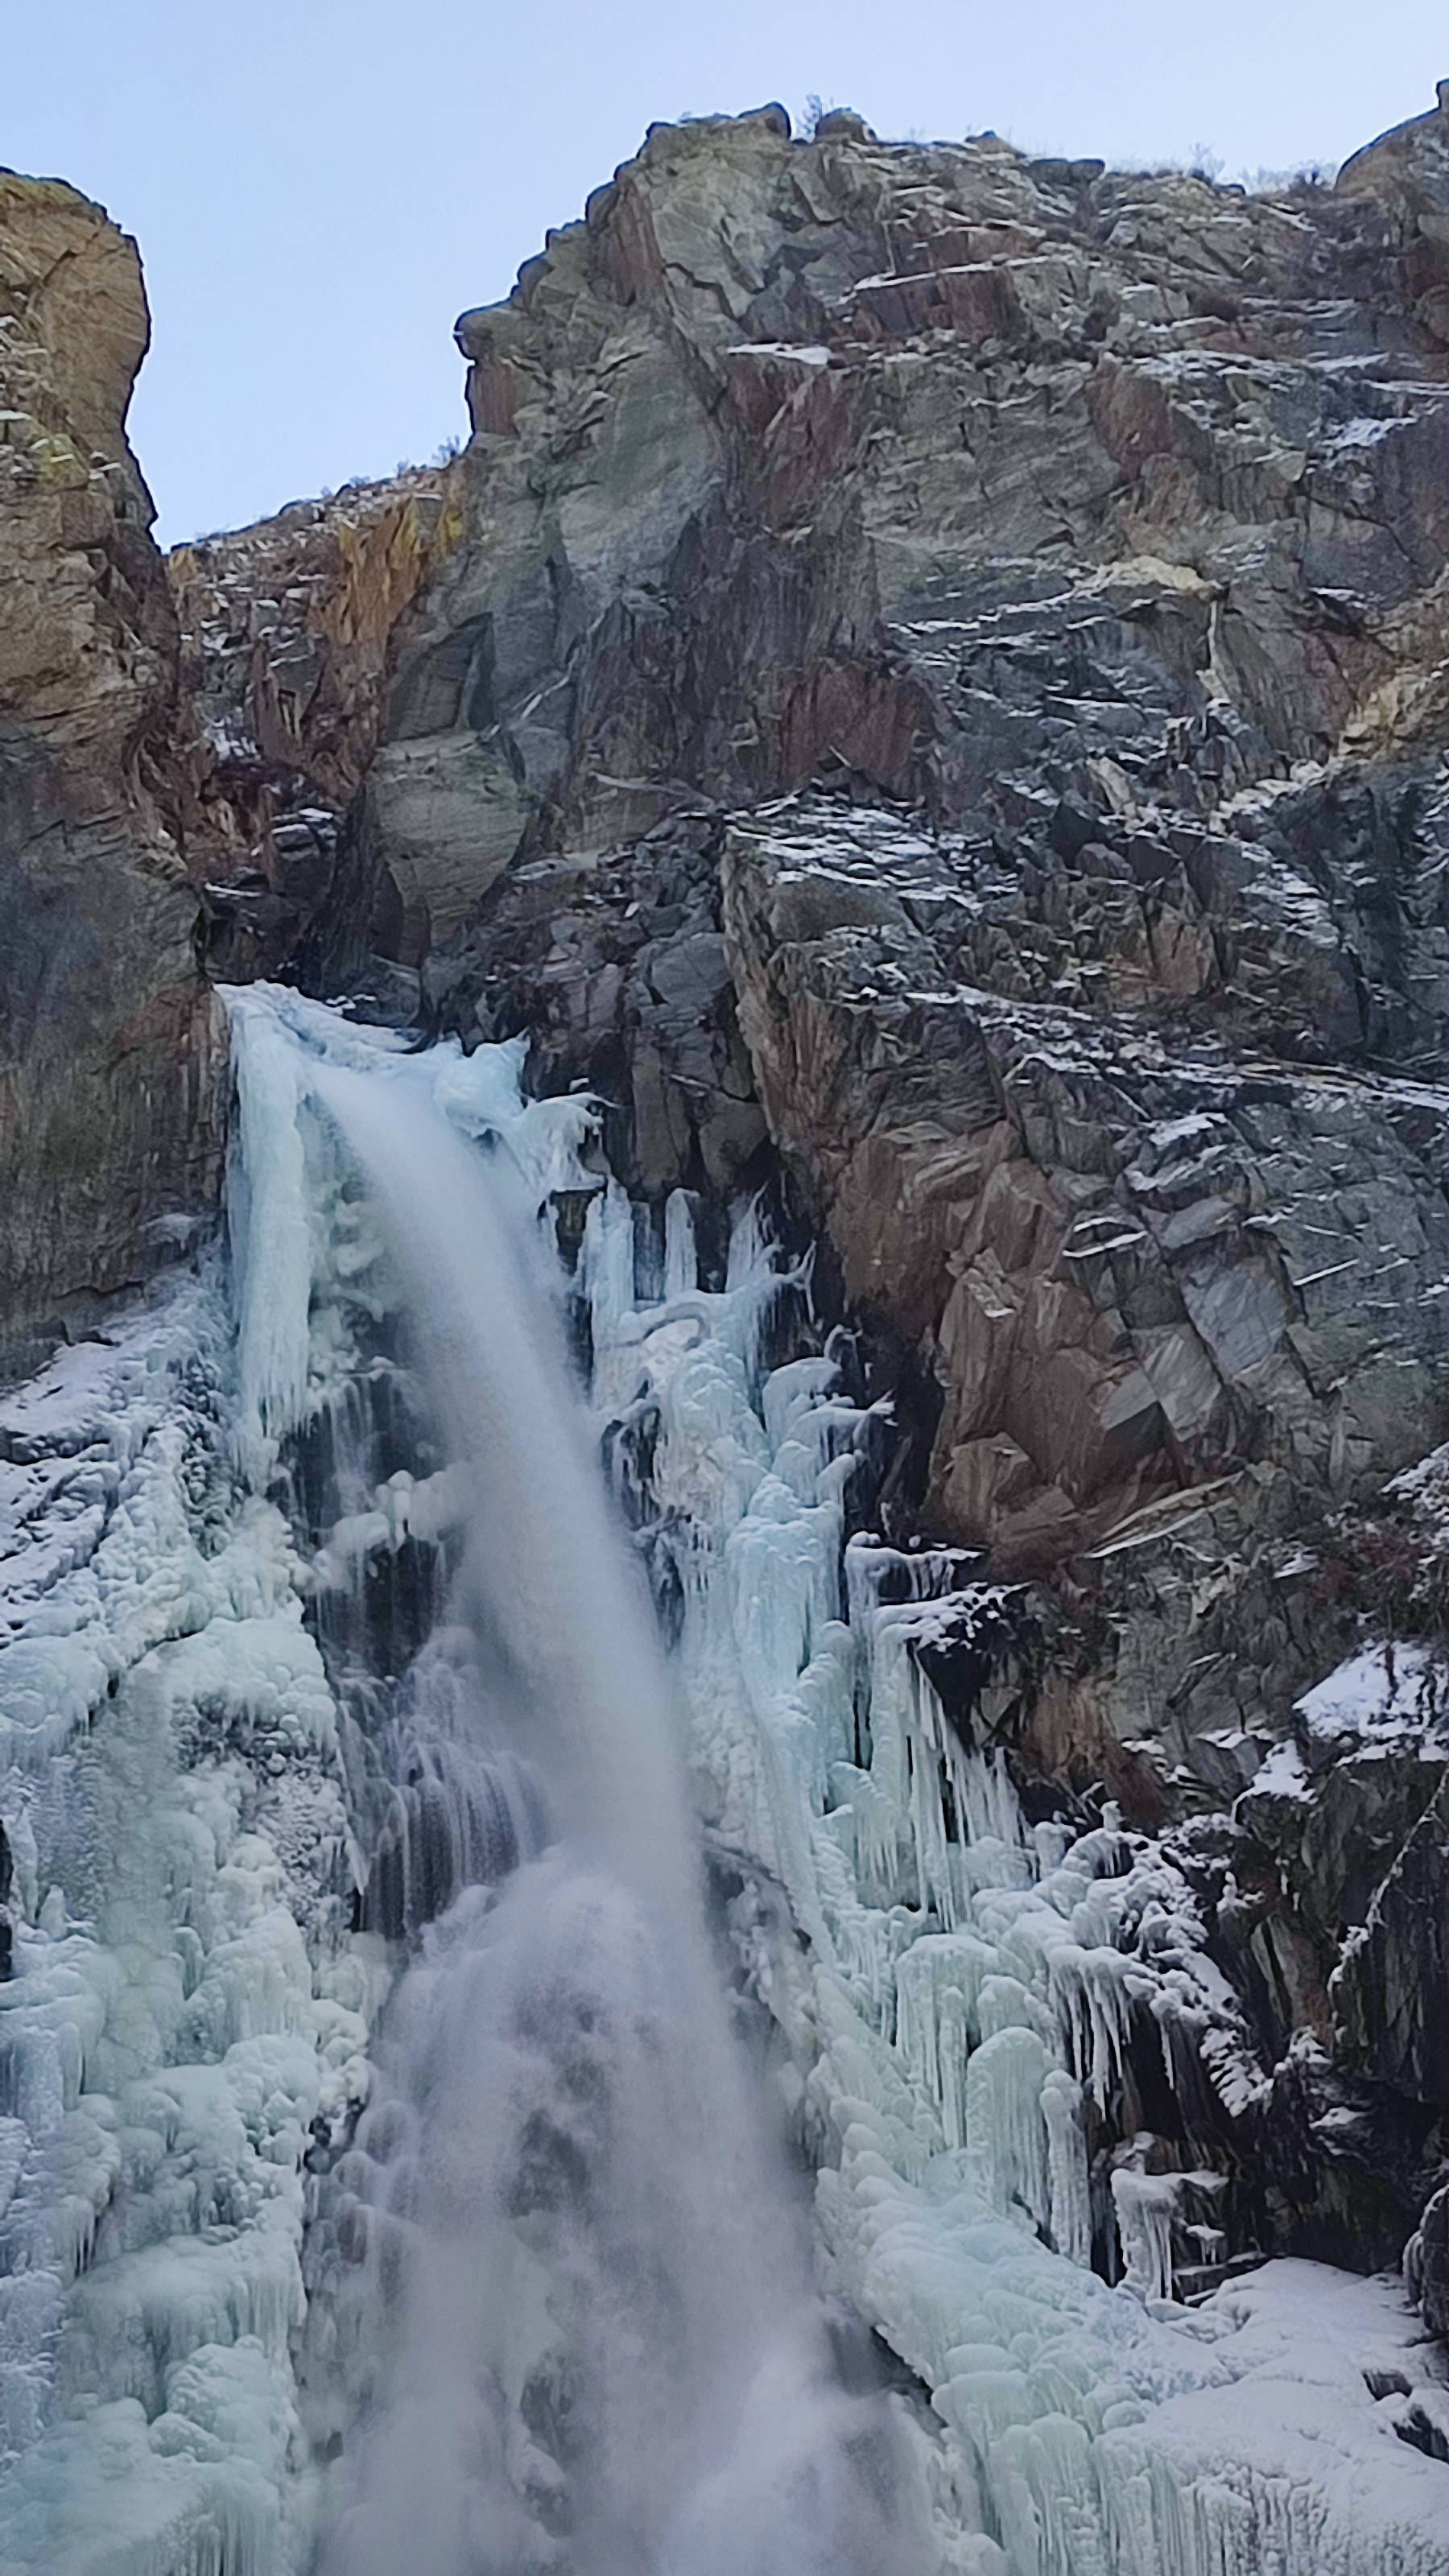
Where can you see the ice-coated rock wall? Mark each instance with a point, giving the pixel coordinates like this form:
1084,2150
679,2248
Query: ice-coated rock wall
187,2011
964,1995
232,1542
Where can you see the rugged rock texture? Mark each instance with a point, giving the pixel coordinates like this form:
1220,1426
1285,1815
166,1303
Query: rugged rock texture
931,461
964,637
106,1070
931,669
617,969
632,610
285,628
1101,519
1407,171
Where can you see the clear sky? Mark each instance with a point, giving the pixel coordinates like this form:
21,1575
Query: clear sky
319,186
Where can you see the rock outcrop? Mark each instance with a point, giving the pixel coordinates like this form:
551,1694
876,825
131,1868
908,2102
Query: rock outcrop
618,969
1407,171
106,1071
929,463
1091,528
285,628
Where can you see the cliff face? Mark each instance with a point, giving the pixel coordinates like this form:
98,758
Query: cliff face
931,672
105,1044
936,464
943,662
1100,520
284,633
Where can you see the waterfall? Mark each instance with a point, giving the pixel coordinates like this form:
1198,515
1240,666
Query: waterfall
411,2152
589,2275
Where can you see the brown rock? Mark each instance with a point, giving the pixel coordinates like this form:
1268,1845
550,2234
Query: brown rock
285,628
106,1031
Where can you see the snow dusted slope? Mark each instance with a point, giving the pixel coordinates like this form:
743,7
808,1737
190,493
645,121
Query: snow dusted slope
952,1987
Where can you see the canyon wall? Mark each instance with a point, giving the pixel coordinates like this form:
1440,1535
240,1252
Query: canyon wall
285,628
942,666
929,676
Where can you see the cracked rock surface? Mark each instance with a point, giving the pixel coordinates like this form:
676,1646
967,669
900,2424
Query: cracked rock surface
943,660
106,1072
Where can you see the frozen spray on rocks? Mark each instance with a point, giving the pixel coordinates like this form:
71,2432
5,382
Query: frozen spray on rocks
382,2180
601,2346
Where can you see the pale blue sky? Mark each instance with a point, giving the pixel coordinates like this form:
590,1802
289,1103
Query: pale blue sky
318,186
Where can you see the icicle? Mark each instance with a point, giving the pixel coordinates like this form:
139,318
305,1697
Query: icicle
681,1257
1093,1990
606,1271
270,1231
1071,2199
1006,2127
938,1983
1146,2205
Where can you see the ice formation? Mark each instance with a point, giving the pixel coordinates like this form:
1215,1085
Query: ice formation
966,1984
306,2266
589,2337
179,2014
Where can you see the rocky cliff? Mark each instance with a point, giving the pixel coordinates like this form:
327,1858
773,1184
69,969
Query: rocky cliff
284,634
929,680
106,1074
943,667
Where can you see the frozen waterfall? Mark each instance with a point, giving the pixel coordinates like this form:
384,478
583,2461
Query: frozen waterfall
594,2342
395,2078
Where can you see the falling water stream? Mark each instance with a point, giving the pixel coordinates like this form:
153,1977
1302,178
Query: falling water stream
451,2230
597,2344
